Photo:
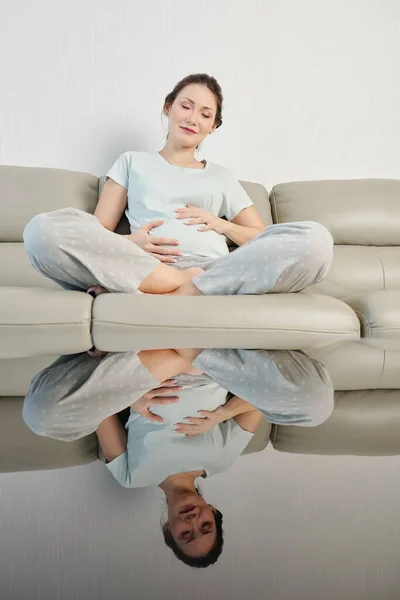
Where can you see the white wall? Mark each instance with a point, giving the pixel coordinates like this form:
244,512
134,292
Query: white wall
311,92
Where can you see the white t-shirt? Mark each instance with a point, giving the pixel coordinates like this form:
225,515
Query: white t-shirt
156,188
155,450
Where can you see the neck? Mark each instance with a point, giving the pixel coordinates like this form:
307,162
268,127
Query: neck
180,483
177,153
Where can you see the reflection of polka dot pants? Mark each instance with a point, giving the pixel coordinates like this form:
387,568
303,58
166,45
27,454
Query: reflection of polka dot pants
69,399
73,249
287,386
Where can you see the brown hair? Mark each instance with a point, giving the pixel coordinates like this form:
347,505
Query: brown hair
202,79
199,562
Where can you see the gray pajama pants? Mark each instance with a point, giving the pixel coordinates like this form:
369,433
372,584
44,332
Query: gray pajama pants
73,249
69,399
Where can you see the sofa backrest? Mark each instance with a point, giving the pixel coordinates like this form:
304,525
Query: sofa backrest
363,216
28,191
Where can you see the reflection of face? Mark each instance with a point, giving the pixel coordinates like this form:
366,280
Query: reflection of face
194,530
194,115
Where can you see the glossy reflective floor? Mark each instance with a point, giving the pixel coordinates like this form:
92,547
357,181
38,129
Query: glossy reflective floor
313,515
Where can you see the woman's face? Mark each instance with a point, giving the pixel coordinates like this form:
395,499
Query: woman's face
195,107
192,524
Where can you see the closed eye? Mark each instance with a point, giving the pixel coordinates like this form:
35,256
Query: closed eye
188,107
184,535
204,533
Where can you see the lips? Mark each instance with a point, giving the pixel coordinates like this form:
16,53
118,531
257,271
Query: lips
186,510
188,130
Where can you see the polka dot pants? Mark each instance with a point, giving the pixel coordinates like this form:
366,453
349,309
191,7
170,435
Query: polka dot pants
73,249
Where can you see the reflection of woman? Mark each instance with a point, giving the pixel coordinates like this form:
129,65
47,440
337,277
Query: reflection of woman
151,452
288,387
78,395
156,454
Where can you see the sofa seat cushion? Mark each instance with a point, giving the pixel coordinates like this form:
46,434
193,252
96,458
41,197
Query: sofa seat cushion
366,364
125,322
23,450
363,423
378,313
39,321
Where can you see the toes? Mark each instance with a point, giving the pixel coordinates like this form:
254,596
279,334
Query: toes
94,353
96,290
93,291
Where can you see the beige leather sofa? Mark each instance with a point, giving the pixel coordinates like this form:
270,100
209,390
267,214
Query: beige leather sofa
351,321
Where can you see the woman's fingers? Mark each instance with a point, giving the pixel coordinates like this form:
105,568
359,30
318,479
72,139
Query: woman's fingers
155,418
162,250
194,421
166,390
169,400
186,429
163,259
160,241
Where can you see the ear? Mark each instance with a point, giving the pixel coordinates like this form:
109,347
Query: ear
213,508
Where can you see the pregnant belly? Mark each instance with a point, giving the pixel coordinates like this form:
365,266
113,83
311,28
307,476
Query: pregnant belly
203,243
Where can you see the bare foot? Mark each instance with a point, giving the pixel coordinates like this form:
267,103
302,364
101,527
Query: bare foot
96,353
97,289
192,271
188,288
190,354
194,372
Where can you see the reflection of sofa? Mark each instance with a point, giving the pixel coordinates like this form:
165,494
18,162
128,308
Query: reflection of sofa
359,302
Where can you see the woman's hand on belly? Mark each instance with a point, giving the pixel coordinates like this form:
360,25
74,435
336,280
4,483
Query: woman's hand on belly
162,248
207,421
156,397
197,215
192,241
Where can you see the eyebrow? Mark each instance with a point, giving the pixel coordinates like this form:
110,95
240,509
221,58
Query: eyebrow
207,107
205,533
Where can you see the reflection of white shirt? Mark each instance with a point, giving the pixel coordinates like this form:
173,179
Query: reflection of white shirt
155,188
155,451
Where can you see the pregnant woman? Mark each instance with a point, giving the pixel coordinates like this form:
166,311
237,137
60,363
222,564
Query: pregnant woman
80,251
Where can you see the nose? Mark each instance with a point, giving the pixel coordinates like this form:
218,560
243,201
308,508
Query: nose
191,119
192,515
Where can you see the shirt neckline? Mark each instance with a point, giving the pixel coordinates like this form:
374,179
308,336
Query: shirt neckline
182,168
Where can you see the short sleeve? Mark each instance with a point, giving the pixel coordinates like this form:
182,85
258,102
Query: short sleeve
119,172
235,198
235,440
119,467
